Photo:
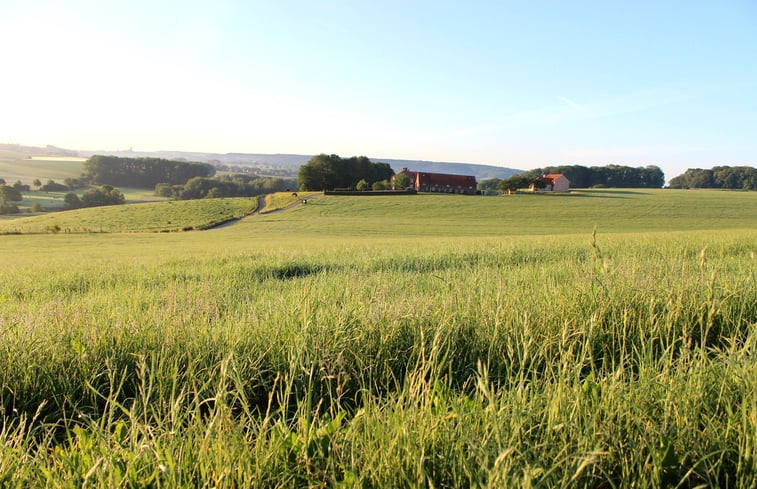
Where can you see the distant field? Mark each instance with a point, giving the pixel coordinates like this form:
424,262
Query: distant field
59,158
17,166
53,201
49,201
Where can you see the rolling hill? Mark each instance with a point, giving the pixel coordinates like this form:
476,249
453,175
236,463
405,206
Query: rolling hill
433,215
281,163
292,162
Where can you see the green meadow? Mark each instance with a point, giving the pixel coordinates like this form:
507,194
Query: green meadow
166,216
600,339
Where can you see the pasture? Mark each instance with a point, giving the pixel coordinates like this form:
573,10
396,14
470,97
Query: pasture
165,216
435,215
414,341
441,215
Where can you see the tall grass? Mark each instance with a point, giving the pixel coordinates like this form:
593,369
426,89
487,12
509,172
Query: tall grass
576,361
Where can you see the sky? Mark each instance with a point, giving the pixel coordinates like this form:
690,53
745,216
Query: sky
520,84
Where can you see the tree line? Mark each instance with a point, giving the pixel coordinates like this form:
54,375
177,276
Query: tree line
224,186
724,177
142,172
95,197
329,172
617,176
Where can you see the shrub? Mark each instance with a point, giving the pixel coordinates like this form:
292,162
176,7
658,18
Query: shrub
105,195
8,209
72,200
52,186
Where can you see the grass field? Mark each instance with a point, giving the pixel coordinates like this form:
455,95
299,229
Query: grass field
185,215
419,341
54,201
610,211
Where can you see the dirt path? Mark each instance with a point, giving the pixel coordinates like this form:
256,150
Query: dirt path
294,204
261,206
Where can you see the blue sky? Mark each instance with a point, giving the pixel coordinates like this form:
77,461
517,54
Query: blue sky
522,84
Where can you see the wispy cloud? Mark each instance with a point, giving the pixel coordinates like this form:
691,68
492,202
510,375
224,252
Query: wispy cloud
571,103
570,109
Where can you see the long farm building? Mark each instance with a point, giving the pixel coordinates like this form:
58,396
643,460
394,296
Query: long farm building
441,182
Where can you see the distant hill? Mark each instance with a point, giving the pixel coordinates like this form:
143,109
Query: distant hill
293,162
284,164
481,172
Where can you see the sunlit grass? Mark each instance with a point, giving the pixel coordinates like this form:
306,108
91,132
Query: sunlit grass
609,211
145,217
523,214
284,351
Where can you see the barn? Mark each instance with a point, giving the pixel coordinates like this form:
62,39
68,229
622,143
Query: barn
441,182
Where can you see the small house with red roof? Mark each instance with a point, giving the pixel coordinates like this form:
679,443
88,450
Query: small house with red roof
554,182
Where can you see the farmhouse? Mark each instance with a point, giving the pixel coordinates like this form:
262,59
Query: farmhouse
554,182
441,182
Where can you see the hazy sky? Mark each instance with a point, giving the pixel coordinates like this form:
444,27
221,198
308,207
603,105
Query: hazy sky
522,84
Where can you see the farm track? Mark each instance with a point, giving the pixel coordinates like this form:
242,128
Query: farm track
259,210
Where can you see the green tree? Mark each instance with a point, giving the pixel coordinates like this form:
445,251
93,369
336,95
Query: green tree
53,186
652,176
72,183
326,172
199,188
362,185
37,182
105,195
515,182
401,181
539,183
490,185
72,200
164,190
677,182
9,194
699,178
